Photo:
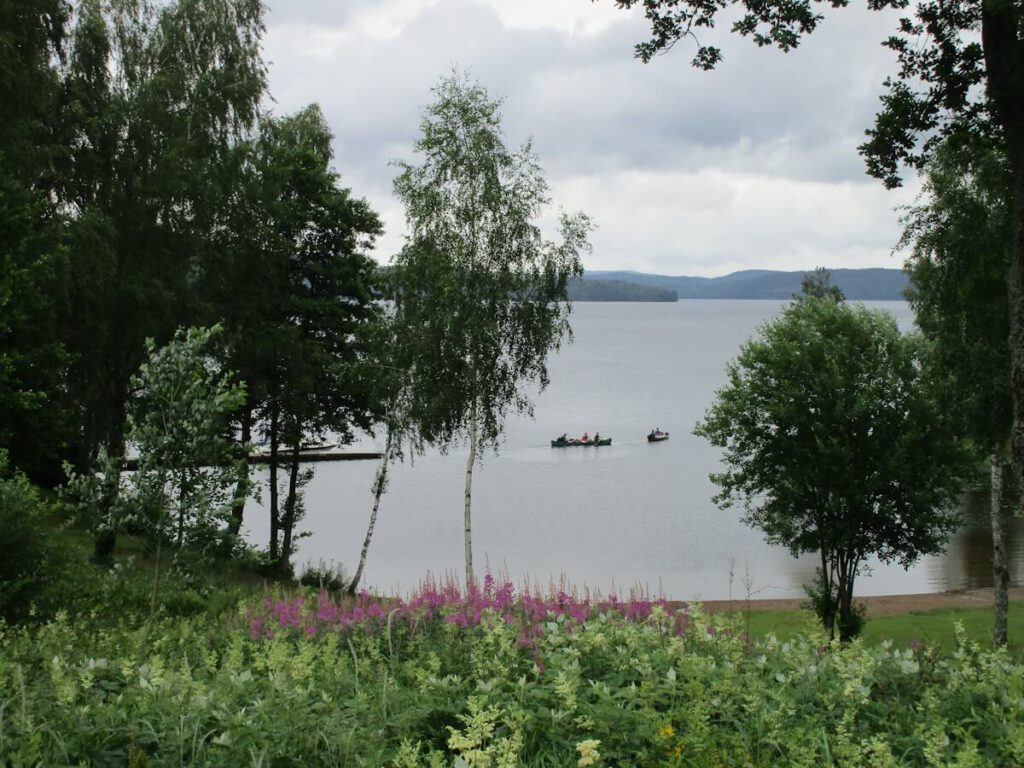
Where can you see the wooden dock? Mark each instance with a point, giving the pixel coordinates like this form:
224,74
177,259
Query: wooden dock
284,458
309,457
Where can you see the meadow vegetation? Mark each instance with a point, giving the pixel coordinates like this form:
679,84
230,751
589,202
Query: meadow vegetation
494,677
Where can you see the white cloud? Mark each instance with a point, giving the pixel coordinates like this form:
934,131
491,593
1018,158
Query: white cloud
712,222
571,17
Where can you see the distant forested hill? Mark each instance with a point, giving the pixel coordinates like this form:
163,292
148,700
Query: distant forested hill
856,284
589,289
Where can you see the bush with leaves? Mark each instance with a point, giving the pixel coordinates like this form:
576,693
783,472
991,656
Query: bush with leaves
528,682
35,564
180,421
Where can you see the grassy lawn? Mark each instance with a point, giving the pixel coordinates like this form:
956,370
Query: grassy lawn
933,626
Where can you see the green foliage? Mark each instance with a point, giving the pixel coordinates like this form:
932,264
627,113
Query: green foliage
180,423
35,567
34,425
311,247
961,243
959,240
834,444
608,692
157,98
322,575
818,284
479,293
300,335
478,287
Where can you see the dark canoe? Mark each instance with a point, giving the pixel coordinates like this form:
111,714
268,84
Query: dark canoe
574,443
657,437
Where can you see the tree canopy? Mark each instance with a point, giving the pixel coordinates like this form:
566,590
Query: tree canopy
478,289
959,241
834,444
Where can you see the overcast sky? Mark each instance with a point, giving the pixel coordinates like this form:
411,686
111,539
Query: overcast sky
684,172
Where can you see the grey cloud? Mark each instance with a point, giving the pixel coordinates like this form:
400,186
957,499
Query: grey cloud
592,109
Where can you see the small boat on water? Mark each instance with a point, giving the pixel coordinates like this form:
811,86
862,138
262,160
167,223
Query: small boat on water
319,445
656,436
314,446
572,442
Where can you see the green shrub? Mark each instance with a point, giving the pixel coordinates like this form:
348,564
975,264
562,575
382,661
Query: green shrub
322,575
35,563
818,600
205,691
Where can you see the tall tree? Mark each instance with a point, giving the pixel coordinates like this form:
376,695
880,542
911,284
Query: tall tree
960,245
819,285
300,335
391,368
156,98
482,294
34,425
833,444
961,74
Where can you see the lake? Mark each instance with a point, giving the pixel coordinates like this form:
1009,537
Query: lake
633,514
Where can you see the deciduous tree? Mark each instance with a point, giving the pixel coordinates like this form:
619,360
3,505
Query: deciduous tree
834,445
481,293
157,97
959,241
34,424
180,422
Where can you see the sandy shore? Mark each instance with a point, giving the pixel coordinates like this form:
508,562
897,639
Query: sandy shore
882,605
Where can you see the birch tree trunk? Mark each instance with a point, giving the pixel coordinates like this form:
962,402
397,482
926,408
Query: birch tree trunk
1000,570
182,485
378,491
1004,60
470,578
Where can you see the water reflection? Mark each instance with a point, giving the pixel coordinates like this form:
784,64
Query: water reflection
968,560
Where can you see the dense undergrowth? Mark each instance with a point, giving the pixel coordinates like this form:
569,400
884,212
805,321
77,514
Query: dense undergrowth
489,679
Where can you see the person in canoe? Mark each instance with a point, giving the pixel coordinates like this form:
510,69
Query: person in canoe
597,438
585,437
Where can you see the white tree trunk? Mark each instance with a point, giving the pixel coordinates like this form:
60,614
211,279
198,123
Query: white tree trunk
470,578
378,491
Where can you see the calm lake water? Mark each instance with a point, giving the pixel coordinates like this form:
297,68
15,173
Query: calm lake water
610,518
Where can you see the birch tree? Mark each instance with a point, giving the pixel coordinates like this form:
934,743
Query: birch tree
480,291
960,242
